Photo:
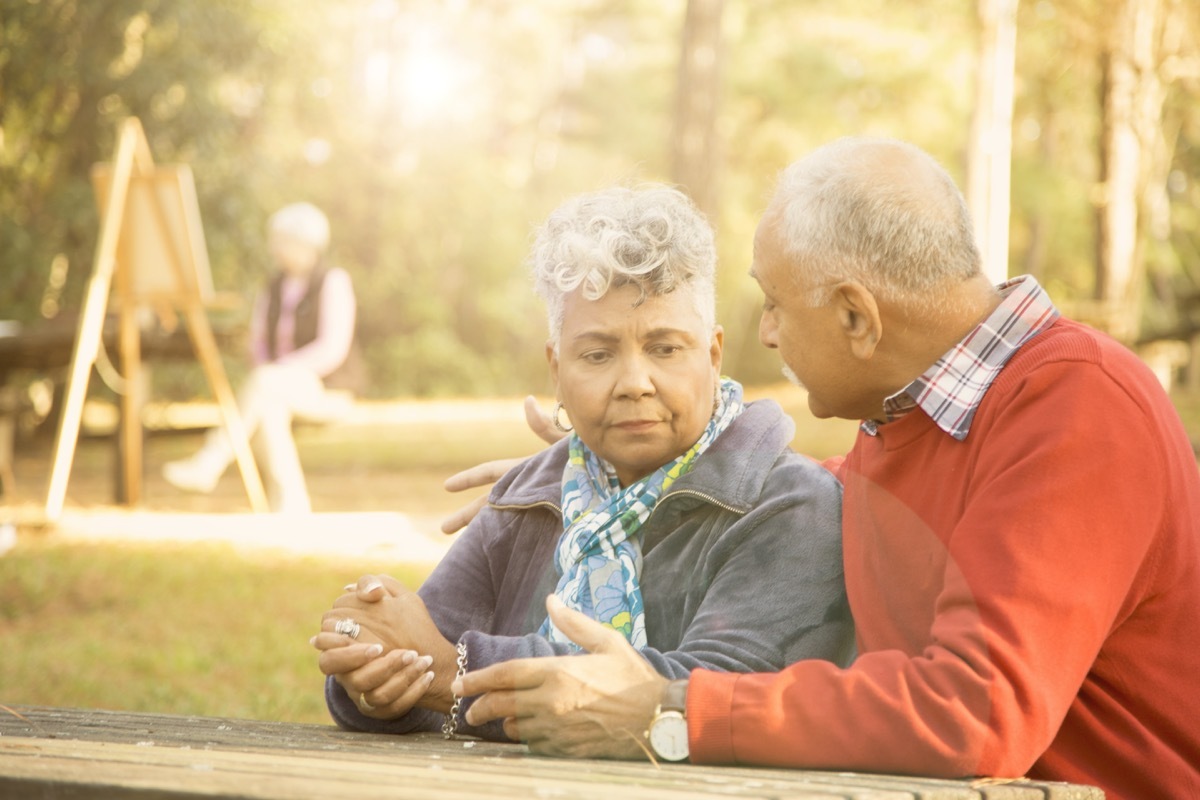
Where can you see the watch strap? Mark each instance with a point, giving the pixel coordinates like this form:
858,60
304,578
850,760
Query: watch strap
674,696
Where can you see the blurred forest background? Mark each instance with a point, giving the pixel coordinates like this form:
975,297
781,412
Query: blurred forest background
438,133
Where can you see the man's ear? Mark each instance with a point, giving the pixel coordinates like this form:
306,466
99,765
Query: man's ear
858,315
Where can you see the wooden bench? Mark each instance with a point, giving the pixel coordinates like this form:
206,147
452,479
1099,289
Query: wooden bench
59,753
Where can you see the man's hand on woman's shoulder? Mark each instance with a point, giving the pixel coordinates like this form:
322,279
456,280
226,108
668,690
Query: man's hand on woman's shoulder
489,472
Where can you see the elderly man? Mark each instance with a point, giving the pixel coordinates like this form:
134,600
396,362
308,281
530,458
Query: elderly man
1021,526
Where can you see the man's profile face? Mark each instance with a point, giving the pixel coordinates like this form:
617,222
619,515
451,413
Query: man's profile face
806,336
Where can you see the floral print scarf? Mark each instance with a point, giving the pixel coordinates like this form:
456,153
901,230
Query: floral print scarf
599,556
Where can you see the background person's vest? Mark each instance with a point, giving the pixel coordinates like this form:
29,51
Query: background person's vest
351,373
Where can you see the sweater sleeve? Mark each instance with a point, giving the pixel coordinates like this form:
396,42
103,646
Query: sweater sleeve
1041,552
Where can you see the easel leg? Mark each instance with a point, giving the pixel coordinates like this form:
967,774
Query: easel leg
129,431
210,358
91,324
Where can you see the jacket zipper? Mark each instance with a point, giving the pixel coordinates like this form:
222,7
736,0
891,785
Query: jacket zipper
691,492
706,497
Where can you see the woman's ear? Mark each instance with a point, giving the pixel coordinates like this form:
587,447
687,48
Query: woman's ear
858,317
552,360
716,350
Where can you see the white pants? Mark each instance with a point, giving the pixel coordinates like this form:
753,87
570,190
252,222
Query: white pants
271,397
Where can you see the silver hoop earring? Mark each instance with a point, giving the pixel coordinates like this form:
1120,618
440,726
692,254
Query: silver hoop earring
557,422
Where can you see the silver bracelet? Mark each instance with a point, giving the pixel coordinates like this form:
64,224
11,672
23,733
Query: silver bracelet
450,725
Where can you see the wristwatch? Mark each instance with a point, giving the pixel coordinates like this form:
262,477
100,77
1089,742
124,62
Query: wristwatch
668,733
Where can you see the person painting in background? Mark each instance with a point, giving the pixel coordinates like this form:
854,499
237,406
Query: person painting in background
1021,523
674,512
303,358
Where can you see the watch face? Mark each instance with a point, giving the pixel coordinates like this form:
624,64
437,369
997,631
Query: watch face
669,736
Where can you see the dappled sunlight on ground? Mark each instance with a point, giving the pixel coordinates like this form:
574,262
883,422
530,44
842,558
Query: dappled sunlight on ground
351,535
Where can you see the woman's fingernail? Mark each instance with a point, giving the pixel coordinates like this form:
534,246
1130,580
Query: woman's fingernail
350,587
427,678
313,641
372,586
424,662
374,649
407,658
456,687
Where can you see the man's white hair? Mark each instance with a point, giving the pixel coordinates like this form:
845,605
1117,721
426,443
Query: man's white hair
650,236
879,211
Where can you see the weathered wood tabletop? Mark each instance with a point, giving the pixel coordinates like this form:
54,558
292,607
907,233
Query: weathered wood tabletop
76,753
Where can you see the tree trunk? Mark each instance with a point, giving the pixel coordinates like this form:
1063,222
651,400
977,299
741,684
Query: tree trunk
1131,153
989,159
694,146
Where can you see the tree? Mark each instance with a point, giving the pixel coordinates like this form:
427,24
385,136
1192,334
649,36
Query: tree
1144,50
989,154
69,72
694,144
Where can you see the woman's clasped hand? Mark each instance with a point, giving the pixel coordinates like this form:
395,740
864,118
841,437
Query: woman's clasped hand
381,646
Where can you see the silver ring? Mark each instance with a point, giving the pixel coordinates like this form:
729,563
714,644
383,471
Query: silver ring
347,627
362,702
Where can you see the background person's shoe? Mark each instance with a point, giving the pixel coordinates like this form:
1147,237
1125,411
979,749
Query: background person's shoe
192,474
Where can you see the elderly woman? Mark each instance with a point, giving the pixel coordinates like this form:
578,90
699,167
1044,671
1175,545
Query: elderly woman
673,513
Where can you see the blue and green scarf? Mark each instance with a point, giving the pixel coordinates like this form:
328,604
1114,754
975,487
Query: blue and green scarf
599,556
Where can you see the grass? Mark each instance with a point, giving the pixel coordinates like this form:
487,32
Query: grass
184,630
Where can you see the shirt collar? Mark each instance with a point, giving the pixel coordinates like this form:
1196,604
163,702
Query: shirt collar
951,390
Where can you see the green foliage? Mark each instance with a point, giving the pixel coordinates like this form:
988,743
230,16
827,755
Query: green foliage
69,72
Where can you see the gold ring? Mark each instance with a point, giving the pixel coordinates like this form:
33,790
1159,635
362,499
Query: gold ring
362,702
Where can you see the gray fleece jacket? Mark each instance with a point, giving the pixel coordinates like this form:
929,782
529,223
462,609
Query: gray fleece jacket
742,567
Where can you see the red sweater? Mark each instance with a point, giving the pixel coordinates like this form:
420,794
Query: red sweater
1027,600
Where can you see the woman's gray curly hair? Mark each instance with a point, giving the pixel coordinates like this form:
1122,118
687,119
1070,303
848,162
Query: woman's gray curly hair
651,236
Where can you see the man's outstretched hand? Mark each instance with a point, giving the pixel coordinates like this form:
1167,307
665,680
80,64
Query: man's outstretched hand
491,471
585,706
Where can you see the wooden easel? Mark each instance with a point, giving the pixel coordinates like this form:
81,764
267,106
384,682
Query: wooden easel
139,220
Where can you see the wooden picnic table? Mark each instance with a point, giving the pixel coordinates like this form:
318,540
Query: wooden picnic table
79,754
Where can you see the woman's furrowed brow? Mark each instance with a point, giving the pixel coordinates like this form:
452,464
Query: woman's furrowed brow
604,337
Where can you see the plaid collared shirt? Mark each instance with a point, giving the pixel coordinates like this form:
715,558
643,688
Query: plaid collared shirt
950,391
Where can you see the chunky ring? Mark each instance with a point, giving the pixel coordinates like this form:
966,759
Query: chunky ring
362,702
347,627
